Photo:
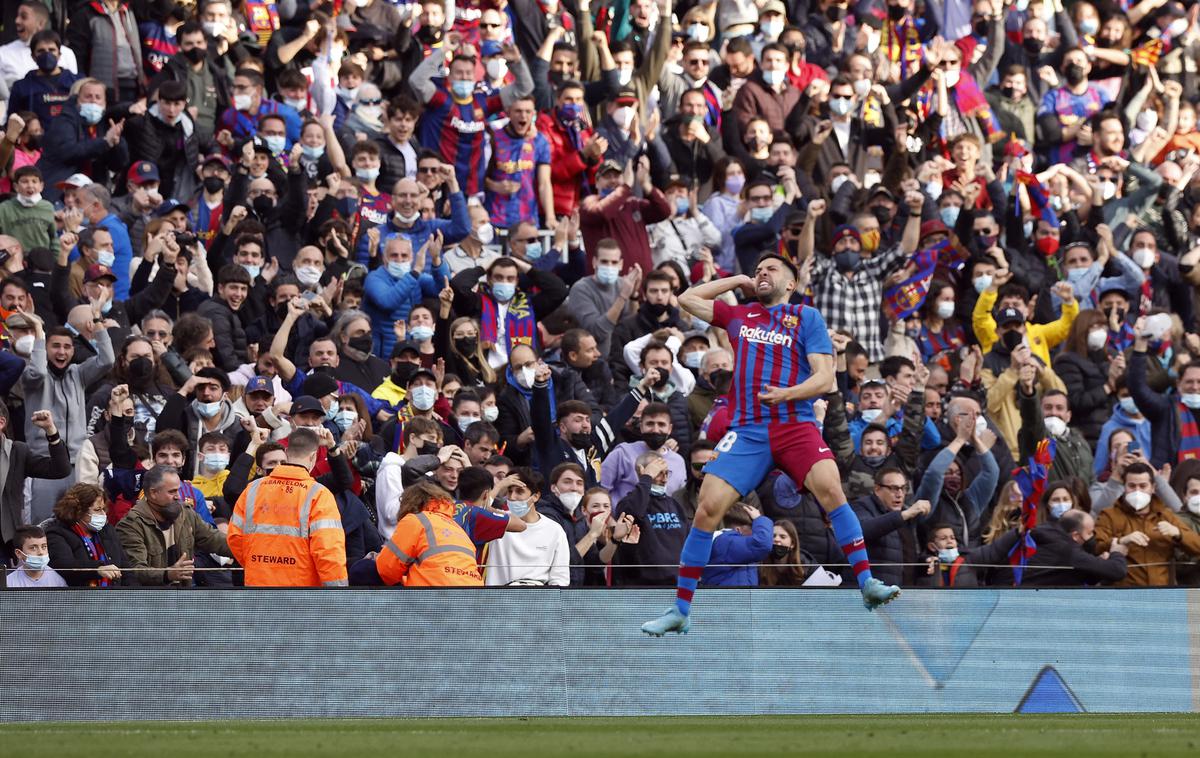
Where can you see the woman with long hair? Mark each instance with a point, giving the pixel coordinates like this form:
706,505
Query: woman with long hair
724,206
1089,373
458,343
786,566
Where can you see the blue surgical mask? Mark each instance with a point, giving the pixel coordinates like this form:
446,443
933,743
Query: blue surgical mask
948,555
870,414
465,421
345,418
207,410
682,205
949,215
658,490
313,153
1128,405
607,274
36,562
398,270
276,143
1076,275
533,250
772,78
762,215
367,174
106,307
423,397
462,90
216,461
840,106
982,282
421,333
91,112
518,508
504,291
1058,509
253,271
331,411
106,258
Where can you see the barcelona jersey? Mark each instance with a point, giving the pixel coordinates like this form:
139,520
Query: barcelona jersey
456,131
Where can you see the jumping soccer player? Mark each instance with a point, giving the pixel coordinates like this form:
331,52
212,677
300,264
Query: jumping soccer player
784,360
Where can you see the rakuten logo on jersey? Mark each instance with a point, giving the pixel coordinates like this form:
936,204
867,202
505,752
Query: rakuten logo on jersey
762,336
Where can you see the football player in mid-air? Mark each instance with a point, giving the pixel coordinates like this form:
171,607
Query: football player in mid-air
784,359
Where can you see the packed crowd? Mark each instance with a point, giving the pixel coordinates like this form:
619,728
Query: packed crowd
436,250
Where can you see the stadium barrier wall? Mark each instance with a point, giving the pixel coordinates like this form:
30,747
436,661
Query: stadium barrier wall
161,654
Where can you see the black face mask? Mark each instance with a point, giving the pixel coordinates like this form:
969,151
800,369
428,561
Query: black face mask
263,205
1008,92
1032,45
281,309
1010,340
881,215
403,372
168,514
896,12
980,28
661,381
33,142
362,343
655,440
466,345
557,78
429,448
213,184
1089,544
1074,74
657,310
580,440
196,54
141,369
835,13
720,380
780,551
984,241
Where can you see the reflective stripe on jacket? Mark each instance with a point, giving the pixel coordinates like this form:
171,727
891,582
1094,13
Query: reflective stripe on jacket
286,531
429,549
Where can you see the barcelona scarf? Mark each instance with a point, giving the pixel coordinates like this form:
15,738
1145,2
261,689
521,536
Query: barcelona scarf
1038,202
902,44
1148,54
91,543
1189,434
263,19
1031,480
520,325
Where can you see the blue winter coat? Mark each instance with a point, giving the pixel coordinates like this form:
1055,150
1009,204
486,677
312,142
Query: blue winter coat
735,556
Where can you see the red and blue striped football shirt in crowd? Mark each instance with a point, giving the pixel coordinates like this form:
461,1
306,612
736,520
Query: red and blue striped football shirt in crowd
456,131
516,159
771,347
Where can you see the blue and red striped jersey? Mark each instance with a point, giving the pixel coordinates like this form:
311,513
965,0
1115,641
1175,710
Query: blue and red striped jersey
771,347
516,159
457,130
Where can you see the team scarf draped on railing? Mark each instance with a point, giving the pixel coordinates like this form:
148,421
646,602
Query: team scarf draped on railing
1031,480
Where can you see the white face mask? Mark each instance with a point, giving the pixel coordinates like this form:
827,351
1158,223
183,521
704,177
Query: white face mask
982,283
570,500
951,78
526,376
1138,501
29,200
1143,256
24,345
862,87
624,76
97,521
242,102
1193,504
945,309
497,69
1097,339
1108,190
980,424
837,182
491,413
623,116
1056,426
485,234
308,275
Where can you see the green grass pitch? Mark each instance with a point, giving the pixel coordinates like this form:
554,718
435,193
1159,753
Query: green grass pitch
894,736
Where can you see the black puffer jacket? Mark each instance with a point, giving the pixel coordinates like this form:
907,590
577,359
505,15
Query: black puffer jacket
1085,377
786,503
890,541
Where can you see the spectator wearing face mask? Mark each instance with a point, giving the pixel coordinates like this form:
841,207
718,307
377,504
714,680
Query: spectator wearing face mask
944,482
620,472
655,313
33,569
80,537
393,289
26,216
662,524
715,374
1151,531
1124,451
561,505
1175,415
86,143
616,213
199,407
539,555
948,566
1071,542
160,533
1013,376
1185,482
1039,339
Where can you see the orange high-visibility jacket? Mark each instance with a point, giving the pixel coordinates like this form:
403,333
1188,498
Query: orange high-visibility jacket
429,549
286,531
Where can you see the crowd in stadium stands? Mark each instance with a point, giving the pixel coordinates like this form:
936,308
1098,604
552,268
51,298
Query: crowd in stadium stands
449,238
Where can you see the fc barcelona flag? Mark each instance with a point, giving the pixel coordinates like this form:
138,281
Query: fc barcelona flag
1032,482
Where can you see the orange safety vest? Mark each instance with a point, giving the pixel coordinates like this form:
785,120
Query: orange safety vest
429,549
286,531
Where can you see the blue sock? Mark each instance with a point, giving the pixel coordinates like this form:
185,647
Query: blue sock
692,560
848,532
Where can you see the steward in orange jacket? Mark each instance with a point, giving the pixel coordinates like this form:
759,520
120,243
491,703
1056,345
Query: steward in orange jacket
286,529
428,548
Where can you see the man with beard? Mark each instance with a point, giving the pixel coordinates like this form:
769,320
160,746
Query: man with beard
772,425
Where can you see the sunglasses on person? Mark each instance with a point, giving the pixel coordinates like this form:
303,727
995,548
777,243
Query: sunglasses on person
427,169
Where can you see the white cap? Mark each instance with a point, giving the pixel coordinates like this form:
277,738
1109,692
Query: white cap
75,180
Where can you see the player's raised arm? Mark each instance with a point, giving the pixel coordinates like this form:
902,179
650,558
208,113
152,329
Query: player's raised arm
698,300
821,365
